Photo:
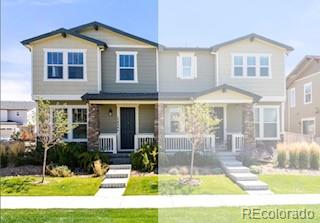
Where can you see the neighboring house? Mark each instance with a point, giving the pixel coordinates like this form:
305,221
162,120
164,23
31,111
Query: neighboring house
15,114
303,104
122,90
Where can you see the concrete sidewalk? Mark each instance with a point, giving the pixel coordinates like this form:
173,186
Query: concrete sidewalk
175,201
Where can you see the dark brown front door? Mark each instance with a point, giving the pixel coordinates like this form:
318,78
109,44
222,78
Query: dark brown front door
127,128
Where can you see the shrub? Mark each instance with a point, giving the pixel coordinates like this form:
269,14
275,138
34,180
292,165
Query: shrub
99,168
303,156
255,169
314,156
282,155
3,156
293,156
59,171
145,159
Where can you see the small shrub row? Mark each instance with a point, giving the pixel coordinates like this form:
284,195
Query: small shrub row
58,171
145,159
299,155
11,153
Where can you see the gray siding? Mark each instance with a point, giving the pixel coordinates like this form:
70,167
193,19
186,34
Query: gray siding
169,82
108,124
234,118
146,66
146,118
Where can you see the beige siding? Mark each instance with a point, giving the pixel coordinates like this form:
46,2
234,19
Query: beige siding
108,124
169,82
41,87
301,110
255,85
146,118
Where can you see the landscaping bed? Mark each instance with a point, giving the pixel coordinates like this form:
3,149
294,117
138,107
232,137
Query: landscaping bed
53,186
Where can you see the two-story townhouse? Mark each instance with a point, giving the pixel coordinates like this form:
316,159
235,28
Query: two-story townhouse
122,90
303,104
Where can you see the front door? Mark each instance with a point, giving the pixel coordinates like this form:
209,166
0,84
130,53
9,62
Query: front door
219,129
127,128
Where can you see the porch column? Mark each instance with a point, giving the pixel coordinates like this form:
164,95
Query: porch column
159,123
93,127
248,124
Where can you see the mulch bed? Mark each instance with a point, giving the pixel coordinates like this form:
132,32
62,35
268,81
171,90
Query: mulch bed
20,170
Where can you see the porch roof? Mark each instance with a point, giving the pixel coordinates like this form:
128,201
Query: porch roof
120,96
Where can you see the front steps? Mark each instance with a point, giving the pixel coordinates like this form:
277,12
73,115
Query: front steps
120,158
115,181
242,176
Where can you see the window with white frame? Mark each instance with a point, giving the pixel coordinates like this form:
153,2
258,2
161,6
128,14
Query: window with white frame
186,66
292,97
308,126
175,123
266,121
65,64
307,97
251,65
127,67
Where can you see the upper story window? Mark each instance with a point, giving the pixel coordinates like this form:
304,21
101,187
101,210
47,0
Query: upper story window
292,97
65,64
251,65
186,66
127,67
307,96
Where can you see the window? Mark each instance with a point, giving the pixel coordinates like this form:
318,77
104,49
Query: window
55,65
251,65
307,93
127,67
175,120
75,65
65,64
266,121
79,118
186,66
308,126
292,97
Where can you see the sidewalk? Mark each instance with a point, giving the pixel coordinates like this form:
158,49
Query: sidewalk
44,202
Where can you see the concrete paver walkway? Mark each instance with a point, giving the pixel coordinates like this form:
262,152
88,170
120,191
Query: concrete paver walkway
175,201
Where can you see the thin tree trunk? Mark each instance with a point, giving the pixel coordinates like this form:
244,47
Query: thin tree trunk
192,160
44,165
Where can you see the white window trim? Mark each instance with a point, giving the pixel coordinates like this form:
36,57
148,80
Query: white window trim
292,97
304,93
245,66
261,122
194,69
135,72
65,64
69,112
309,119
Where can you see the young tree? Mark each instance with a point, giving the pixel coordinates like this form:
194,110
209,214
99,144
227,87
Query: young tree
51,130
199,122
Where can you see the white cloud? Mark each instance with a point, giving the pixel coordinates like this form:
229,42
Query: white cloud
16,55
15,90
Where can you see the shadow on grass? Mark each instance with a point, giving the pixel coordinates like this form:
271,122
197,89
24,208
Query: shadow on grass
16,185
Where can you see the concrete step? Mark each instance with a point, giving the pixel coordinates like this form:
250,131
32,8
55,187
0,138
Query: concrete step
235,169
119,166
252,185
118,173
231,163
243,176
114,183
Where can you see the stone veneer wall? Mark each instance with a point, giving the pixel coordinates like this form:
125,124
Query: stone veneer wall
248,124
93,127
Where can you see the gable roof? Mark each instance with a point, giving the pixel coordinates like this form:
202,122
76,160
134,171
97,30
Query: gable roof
297,73
97,24
251,36
63,32
17,105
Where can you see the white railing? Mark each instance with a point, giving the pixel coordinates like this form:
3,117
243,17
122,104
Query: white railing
108,142
143,138
175,143
237,141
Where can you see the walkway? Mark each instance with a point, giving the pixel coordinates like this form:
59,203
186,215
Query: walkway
176,201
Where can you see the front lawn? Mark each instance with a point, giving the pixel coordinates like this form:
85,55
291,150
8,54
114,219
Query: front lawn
53,186
175,215
209,184
292,184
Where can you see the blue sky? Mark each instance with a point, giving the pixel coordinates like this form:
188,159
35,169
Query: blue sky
171,22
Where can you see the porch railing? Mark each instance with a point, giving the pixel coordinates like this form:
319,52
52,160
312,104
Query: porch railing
175,143
237,141
108,142
143,138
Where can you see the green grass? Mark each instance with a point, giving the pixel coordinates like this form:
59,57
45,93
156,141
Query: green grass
176,215
211,184
292,184
53,186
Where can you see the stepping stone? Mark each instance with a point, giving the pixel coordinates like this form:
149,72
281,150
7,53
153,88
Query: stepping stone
120,166
243,176
234,169
118,173
114,183
252,185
